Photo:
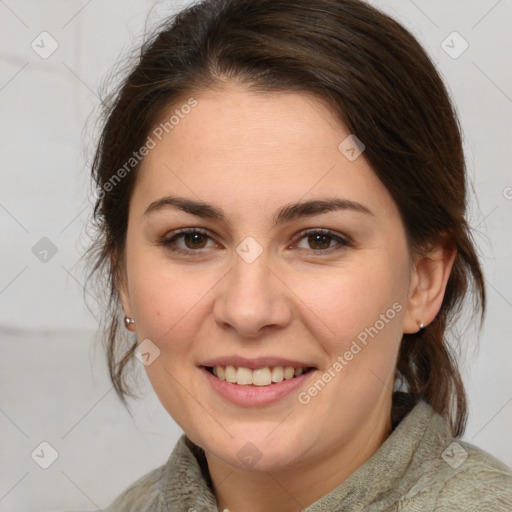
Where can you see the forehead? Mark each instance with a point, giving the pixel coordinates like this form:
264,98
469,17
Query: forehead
254,150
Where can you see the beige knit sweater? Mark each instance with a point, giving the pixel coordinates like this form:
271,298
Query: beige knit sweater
419,468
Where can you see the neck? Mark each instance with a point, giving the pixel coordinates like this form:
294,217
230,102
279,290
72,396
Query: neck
296,488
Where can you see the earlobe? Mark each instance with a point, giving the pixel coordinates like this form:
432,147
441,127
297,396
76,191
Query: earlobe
128,319
129,322
428,285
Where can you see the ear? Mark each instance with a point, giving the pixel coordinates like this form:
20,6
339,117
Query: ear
124,296
429,278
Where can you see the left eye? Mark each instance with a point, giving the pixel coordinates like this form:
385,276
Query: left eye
195,240
322,239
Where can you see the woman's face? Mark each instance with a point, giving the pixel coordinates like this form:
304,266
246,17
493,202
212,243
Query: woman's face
268,282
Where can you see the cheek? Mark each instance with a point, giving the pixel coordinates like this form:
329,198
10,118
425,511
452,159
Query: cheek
166,304
159,296
343,302
355,314
170,306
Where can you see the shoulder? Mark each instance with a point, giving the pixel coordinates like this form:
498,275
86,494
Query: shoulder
463,478
476,481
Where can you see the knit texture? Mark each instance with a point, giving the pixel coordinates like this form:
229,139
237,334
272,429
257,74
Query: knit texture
419,468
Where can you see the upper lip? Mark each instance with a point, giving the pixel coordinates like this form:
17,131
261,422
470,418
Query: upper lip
254,363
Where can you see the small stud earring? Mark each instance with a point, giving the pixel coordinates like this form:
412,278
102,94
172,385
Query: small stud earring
128,321
421,325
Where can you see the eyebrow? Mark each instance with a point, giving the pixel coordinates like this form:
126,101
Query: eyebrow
285,214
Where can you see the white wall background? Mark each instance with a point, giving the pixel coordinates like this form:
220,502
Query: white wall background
54,384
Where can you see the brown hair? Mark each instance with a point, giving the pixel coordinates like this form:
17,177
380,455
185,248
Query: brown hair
381,84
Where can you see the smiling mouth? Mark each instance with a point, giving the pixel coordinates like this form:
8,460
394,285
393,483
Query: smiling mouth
265,376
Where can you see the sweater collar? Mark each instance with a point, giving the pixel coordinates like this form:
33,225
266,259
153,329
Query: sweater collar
186,483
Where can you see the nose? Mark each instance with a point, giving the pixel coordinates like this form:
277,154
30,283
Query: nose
252,299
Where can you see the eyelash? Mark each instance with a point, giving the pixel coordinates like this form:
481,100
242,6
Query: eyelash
168,242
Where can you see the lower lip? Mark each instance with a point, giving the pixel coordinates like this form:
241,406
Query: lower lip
251,395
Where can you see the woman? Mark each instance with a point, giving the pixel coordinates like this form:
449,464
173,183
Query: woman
281,206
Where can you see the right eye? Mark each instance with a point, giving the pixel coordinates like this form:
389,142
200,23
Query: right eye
194,240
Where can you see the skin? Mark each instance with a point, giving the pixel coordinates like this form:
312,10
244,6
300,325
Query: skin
249,154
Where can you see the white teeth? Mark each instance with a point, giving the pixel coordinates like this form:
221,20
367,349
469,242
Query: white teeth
230,374
243,376
289,373
277,374
259,377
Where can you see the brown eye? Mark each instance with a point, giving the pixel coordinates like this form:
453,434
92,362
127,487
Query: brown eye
187,241
194,240
321,241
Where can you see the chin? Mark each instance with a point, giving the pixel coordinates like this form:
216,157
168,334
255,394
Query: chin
257,452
